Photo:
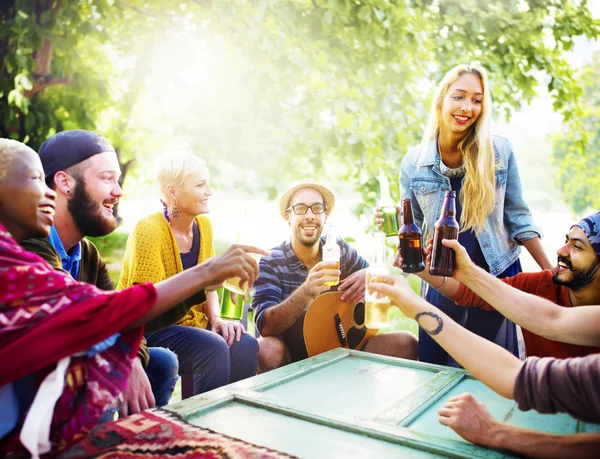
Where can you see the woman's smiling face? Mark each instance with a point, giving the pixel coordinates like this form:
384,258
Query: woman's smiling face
193,194
26,203
462,104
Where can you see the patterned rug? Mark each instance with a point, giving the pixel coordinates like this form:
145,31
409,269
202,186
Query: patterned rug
161,433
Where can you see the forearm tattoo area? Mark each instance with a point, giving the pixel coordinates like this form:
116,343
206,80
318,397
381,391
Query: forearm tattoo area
428,325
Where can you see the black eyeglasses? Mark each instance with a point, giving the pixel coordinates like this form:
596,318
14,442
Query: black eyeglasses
301,209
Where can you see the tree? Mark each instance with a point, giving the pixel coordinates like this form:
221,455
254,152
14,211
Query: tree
56,72
335,88
48,79
340,88
61,70
576,149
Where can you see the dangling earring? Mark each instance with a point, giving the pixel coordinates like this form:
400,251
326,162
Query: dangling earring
175,210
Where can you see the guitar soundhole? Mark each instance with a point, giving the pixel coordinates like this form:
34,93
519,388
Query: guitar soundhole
359,314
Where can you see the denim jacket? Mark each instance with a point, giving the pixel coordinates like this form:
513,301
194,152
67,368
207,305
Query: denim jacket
510,222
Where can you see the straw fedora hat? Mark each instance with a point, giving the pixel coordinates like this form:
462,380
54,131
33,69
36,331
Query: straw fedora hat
307,183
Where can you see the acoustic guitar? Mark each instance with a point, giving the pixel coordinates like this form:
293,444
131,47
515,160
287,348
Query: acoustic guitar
330,323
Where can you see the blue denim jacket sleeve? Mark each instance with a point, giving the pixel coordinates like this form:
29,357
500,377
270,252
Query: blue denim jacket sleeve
517,215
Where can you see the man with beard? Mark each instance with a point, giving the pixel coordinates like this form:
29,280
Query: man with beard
294,275
574,282
82,167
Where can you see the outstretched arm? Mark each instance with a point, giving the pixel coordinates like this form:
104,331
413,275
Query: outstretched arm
235,261
569,325
472,421
535,249
494,366
517,216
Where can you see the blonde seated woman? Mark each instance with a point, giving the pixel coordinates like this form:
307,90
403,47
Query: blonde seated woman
214,351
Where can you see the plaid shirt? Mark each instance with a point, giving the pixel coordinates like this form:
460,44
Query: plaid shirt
281,274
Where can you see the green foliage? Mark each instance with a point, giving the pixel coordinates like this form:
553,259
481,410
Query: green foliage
108,245
398,322
281,89
112,249
77,92
575,149
339,89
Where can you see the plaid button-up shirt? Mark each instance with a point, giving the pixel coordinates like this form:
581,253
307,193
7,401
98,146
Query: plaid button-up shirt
281,274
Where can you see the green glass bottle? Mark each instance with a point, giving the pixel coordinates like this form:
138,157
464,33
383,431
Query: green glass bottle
386,205
231,310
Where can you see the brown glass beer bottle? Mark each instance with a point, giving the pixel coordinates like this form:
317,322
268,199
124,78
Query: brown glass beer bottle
442,257
411,241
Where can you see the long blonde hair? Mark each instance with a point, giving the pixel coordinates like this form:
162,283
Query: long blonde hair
478,190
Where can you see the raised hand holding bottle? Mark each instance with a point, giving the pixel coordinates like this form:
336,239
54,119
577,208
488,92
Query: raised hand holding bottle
442,257
411,241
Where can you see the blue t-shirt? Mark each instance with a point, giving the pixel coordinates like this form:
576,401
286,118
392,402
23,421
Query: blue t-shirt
70,260
70,263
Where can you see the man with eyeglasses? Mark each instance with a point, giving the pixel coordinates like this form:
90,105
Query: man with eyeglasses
294,275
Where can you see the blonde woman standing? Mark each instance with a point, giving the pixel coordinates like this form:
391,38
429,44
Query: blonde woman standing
214,351
459,153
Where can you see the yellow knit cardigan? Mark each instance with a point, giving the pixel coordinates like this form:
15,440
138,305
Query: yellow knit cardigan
152,255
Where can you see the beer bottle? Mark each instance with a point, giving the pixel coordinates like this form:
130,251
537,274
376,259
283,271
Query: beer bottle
387,207
411,241
331,251
442,257
377,305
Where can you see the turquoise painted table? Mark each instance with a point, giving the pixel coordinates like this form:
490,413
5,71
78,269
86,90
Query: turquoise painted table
353,404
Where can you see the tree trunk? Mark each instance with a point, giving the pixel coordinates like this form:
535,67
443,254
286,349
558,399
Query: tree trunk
42,76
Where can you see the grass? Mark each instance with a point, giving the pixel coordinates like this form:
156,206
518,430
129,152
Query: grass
112,249
112,245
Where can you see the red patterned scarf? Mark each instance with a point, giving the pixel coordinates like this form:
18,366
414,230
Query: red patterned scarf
45,316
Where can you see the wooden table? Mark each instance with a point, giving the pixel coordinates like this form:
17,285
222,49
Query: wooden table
353,404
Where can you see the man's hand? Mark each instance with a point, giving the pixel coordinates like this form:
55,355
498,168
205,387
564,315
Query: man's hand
234,297
228,330
138,395
426,251
379,217
324,271
234,262
353,286
469,419
463,264
397,258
